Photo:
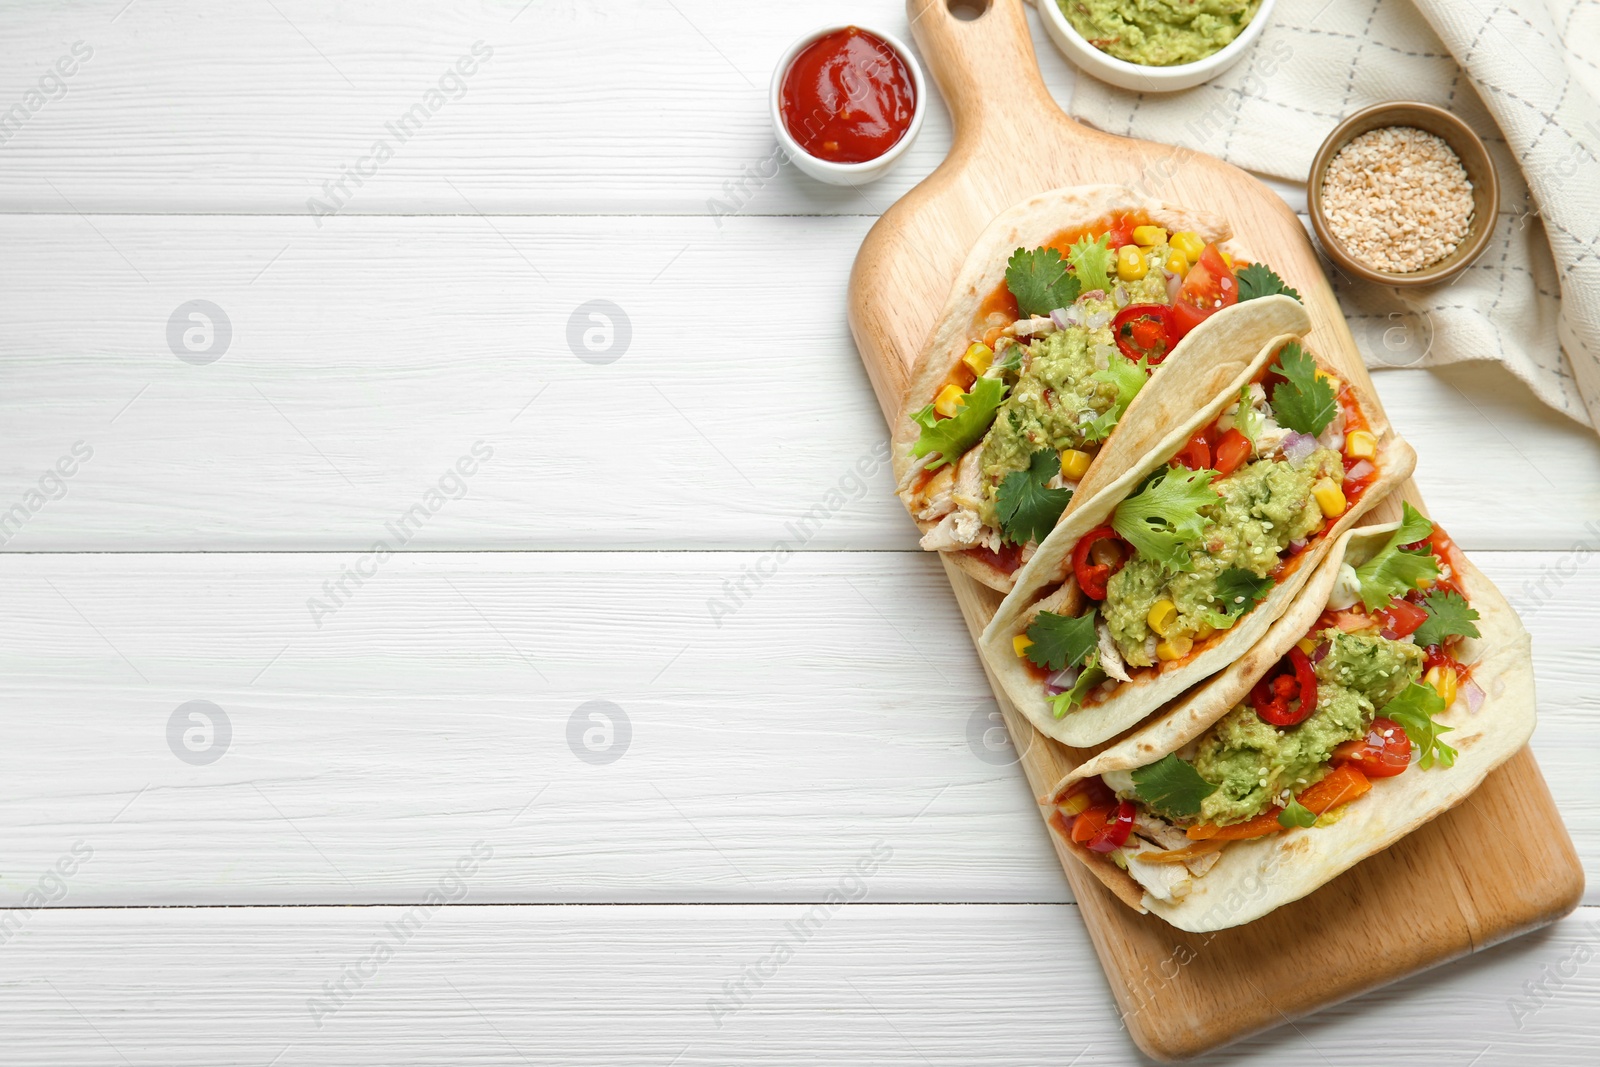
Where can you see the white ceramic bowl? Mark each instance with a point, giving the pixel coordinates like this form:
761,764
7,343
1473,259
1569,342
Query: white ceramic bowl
1136,76
847,173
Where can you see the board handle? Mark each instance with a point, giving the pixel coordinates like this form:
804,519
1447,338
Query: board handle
981,55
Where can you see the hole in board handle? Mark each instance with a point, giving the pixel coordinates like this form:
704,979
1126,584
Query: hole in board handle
968,10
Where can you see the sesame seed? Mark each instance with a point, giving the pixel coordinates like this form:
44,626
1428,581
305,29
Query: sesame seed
1398,199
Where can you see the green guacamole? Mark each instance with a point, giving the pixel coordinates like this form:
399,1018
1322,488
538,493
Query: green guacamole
1159,33
1057,395
1264,505
1252,763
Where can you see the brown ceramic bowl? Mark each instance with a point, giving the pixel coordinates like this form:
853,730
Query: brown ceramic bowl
1474,158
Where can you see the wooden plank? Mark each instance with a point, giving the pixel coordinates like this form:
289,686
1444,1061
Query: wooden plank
180,111
869,983
900,280
434,707
366,359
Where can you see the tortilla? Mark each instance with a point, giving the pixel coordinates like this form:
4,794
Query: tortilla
1197,367
1254,877
1132,701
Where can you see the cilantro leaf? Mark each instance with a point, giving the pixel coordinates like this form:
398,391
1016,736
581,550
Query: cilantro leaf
1448,615
1092,676
1028,511
1414,710
1128,377
1014,353
1395,571
1172,787
1303,401
1091,261
1247,420
1296,814
1258,279
1061,641
1239,590
951,437
1162,521
1040,281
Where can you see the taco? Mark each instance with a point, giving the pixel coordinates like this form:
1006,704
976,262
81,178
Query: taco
1173,571
1398,680
1066,306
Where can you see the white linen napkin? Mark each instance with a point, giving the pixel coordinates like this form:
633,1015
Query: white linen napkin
1526,77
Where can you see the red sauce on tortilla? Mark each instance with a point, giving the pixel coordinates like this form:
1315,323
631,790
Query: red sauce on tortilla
848,97
1007,560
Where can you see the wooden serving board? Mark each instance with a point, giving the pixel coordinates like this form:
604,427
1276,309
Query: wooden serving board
1496,866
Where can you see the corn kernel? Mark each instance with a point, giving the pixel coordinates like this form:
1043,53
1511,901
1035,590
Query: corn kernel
1176,263
1162,614
1330,498
1188,242
1306,645
1228,260
1022,642
1149,235
1443,680
1075,464
1205,630
1359,444
949,401
1074,803
1174,648
1335,383
1130,263
980,357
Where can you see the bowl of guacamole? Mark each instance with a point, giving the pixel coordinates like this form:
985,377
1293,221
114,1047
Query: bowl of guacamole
1155,45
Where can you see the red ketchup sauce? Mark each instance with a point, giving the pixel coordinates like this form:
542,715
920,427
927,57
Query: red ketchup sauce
847,97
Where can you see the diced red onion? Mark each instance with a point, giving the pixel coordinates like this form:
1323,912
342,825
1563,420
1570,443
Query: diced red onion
1319,653
1062,680
1360,470
1094,294
1174,283
1297,446
1388,634
1297,546
1119,297
1099,319
1061,317
1474,694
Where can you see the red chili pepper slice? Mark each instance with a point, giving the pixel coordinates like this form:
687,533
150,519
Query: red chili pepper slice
1092,573
1273,694
1144,330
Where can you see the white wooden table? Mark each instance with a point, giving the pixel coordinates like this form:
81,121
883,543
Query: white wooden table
402,832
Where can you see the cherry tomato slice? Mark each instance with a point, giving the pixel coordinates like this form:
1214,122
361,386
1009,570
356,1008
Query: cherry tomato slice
1232,451
1114,832
1274,693
1208,288
1144,330
1196,455
1384,752
1401,618
1121,232
1090,821
1092,573
1440,544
